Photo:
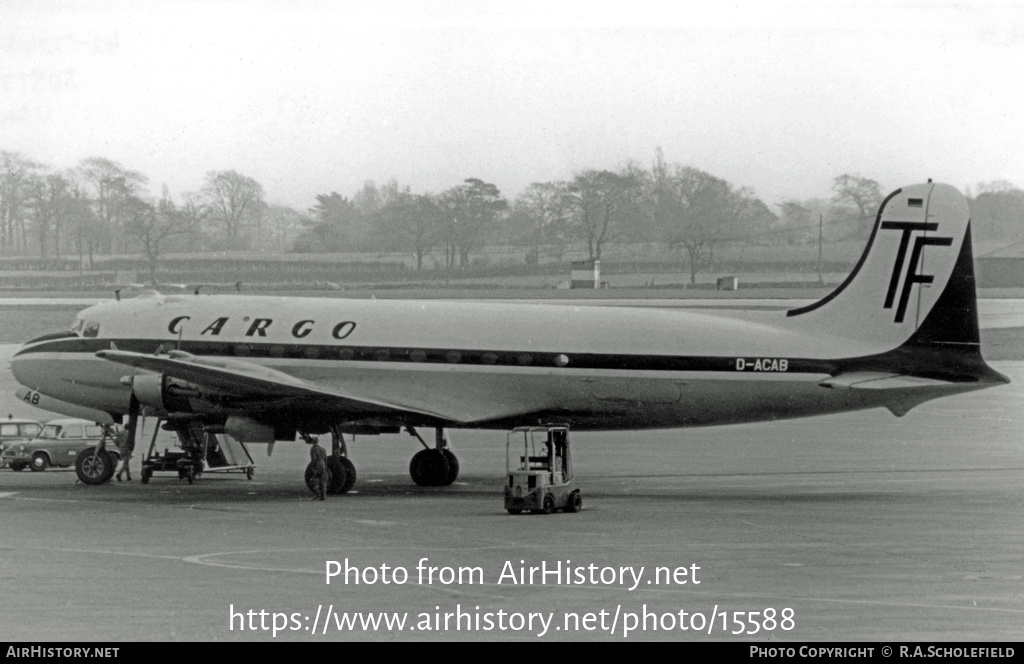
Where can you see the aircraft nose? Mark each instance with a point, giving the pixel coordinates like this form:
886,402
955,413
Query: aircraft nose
29,370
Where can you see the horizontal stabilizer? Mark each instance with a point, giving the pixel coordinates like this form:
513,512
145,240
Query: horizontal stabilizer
879,381
907,393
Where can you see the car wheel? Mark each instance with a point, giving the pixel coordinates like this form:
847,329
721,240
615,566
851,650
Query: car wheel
40,462
17,466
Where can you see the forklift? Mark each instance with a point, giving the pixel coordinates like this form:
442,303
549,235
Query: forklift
538,466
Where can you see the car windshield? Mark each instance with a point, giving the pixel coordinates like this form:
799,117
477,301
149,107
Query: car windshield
51,431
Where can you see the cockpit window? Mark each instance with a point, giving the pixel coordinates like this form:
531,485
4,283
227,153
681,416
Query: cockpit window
86,328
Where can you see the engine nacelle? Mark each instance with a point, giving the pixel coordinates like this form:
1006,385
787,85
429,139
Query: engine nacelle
248,430
164,394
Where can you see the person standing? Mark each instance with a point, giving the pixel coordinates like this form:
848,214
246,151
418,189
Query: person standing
318,465
125,450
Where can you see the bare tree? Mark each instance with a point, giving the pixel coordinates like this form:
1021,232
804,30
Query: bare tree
153,224
234,199
15,171
543,210
599,202
695,210
863,193
49,199
466,214
111,185
409,221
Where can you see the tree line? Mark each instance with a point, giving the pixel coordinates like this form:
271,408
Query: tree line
100,207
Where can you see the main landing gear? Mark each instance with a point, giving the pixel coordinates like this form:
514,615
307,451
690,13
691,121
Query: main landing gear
431,466
437,466
341,473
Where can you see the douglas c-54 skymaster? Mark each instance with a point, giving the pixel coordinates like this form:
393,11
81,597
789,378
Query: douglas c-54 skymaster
901,330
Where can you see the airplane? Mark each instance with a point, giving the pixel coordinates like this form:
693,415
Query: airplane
902,329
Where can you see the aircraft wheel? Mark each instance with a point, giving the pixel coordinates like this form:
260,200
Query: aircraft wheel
453,467
575,502
40,462
342,474
249,473
94,466
311,479
429,468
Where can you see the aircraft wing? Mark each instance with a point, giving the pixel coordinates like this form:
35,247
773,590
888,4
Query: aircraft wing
249,380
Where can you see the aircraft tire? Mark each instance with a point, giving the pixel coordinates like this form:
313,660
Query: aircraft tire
428,468
40,462
94,466
343,475
453,467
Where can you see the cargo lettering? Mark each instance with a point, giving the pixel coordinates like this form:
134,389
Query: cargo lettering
258,327
762,364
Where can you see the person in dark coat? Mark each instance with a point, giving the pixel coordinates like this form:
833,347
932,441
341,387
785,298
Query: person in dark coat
318,463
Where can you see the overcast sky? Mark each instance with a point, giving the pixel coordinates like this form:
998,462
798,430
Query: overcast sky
313,97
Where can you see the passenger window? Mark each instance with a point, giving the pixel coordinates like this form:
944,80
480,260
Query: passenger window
93,432
30,429
73,431
8,429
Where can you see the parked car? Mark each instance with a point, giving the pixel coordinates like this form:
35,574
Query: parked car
58,444
17,429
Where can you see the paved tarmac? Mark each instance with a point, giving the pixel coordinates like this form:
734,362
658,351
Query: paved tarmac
850,527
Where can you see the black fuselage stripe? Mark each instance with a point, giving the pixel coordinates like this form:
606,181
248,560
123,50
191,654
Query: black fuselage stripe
449,356
958,364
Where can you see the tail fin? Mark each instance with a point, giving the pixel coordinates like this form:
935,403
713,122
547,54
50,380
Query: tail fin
912,294
919,249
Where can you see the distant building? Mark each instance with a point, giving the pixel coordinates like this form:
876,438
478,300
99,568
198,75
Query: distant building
1003,268
586,274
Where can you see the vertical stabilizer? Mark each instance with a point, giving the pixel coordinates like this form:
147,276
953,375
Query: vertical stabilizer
915,279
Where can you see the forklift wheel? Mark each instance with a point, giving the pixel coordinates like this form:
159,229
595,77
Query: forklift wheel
548,508
575,502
